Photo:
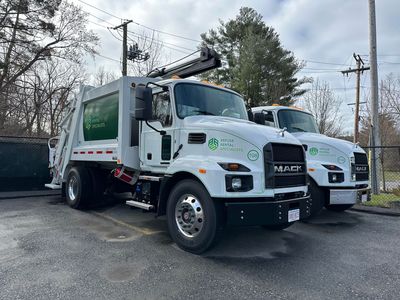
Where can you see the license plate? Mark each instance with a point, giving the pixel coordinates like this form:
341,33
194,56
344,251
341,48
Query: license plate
294,215
364,198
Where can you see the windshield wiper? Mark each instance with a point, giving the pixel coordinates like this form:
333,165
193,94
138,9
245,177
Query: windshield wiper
299,129
203,112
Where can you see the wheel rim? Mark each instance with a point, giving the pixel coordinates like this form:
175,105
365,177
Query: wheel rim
189,216
72,188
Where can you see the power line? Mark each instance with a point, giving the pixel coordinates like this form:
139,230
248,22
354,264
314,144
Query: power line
160,42
144,26
109,58
322,62
100,10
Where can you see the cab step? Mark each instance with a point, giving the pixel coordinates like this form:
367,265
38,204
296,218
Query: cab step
53,186
140,204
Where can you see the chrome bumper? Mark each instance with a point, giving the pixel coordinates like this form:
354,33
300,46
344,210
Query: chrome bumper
349,196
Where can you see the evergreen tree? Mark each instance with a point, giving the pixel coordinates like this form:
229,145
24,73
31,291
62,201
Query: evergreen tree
254,62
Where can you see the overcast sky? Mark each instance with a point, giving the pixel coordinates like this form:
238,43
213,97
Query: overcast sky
324,33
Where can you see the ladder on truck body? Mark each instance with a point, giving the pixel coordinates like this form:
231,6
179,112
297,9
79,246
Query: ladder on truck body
63,148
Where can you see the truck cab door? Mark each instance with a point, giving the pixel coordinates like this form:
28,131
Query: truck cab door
157,150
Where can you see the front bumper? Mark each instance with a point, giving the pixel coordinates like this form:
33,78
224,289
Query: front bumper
349,196
266,212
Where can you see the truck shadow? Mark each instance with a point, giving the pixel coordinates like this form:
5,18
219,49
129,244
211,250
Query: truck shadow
328,218
254,243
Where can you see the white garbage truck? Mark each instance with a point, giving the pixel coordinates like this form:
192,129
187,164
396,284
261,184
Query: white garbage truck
185,149
338,169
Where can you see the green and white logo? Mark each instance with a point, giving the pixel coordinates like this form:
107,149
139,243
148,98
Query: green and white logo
313,151
252,155
341,160
213,144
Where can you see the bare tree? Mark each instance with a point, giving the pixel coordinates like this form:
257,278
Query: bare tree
32,31
152,45
39,98
325,106
390,94
102,77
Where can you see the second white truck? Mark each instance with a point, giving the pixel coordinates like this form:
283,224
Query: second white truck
338,169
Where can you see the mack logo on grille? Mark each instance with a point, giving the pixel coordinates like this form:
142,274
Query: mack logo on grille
361,169
288,168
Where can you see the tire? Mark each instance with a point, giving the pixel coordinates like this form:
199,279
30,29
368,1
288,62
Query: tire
318,198
338,207
195,221
278,226
79,187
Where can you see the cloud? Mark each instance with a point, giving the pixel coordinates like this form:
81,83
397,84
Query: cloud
324,31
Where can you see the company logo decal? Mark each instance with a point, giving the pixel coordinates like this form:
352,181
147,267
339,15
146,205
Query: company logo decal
341,160
313,151
288,169
252,155
213,144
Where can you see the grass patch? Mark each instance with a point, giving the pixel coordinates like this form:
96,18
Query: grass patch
382,200
392,175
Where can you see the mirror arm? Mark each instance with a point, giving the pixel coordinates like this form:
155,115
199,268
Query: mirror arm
162,132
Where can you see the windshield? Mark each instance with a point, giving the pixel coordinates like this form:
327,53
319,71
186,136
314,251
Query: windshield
195,99
297,121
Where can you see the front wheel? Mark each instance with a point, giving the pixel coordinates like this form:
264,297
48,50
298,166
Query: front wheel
278,226
195,222
338,207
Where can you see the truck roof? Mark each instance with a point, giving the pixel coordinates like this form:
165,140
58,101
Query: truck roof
278,107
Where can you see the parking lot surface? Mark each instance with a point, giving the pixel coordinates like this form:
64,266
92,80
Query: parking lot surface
50,251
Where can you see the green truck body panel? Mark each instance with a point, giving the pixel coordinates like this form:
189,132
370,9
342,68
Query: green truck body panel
100,118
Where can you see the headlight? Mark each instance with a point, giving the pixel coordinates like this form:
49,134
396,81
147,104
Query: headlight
238,183
335,177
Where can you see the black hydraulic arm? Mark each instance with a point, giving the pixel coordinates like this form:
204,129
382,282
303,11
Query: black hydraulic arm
208,60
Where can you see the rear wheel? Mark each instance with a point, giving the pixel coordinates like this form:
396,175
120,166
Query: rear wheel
278,226
195,222
338,207
78,187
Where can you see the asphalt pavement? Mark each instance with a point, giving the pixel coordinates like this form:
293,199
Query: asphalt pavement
50,251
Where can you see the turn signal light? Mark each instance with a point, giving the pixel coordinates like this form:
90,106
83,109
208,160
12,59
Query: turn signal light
234,167
332,167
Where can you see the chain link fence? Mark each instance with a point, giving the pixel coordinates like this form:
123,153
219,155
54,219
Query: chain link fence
388,177
24,163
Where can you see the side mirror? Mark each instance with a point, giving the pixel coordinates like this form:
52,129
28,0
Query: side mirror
143,103
250,115
259,118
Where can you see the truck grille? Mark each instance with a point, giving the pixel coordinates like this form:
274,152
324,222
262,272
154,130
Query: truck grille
360,168
285,165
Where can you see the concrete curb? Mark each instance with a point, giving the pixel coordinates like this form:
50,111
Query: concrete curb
28,194
376,210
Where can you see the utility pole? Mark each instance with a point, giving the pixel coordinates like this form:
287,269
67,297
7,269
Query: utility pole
124,45
375,138
358,70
